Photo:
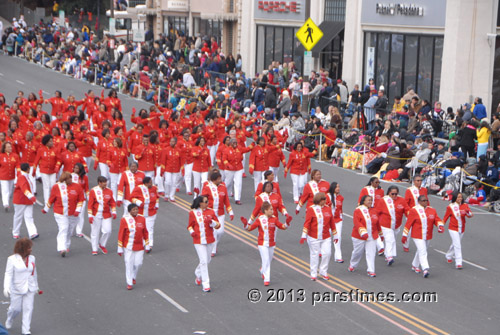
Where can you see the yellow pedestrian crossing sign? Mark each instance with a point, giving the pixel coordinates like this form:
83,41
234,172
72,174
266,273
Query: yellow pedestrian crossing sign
309,34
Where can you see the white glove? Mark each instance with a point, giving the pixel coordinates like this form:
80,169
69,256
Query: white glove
6,293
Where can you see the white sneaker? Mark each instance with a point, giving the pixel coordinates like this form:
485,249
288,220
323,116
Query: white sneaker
8,324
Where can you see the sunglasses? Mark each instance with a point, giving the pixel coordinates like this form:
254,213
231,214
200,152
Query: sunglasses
425,200
393,194
204,202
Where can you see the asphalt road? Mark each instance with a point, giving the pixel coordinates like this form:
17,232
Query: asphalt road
87,295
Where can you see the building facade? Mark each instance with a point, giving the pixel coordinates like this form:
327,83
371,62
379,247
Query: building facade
442,49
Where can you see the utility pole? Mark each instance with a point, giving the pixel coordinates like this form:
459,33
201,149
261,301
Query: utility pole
112,9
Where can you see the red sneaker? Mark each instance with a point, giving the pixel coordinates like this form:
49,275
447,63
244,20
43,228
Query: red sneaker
177,190
313,278
165,199
103,249
372,274
406,249
449,260
417,270
244,175
327,278
94,253
134,282
350,269
197,281
459,267
190,193
129,287
266,283
206,289
381,252
237,202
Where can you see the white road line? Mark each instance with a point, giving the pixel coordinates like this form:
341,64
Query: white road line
473,264
45,92
87,238
1,74
20,82
170,300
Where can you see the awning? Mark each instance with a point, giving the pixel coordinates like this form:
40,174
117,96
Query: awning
330,31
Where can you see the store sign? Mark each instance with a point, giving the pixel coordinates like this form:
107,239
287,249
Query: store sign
280,10
178,5
417,13
399,9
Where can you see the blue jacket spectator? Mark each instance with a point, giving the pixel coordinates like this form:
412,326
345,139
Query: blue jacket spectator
479,109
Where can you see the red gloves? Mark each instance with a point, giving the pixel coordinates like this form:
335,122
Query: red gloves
91,220
302,240
285,174
231,217
95,165
297,212
244,220
196,190
288,219
404,239
120,254
382,238
40,292
335,240
113,216
76,214
44,211
440,229
33,199
364,236
119,203
250,170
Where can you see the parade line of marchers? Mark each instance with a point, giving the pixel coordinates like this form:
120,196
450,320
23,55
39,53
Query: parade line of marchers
354,295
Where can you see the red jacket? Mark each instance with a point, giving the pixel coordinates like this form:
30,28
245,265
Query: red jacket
67,199
68,159
8,165
274,199
103,148
391,218
171,160
145,156
422,230
299,162
319,229
101,202
233,158
259,159
376,194
276,189
28,151
23,190
412,194
452,212
201,225
117,160
128,181
339,202
47,159
147,199
133,234
267,230
202,161
186,148
362,226
217,197
310,190
276,158
330,136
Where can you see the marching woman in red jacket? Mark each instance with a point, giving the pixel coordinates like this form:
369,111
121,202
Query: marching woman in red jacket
365,232
129,179
67,199
117,162
132,237
80,177
267,224
276,158
102,212
318,231
202,222
103,149
146,197
268,195
233,158
374,190
47,159
9,161
456,212
390,211
218,156
259,161
268,177
337,200
23,200
171,163
314,186
201,164
298,165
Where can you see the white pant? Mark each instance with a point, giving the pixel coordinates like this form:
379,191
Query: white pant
81,219
6,191
62,234
150,225
150,174
420,258
338,246
266,256
114,178
72,223
33,179
407,244
24,303
170,184
104,168
219,232
223,175
88,160
188,172
159,180
48,180
125,206
103,226
258,176
380,244
390,242
25,211
455,247
133,262
370,249
234,177
198,179
275,170
213,151
298,181
204,252
316,247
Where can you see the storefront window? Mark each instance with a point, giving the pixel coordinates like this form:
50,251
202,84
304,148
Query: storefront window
288,45
269,52
177,24
399,62
276,44
260,47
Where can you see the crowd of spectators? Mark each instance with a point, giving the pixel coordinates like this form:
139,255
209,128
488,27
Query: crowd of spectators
356,128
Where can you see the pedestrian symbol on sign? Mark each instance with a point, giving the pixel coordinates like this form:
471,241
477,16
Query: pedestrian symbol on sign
309,32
